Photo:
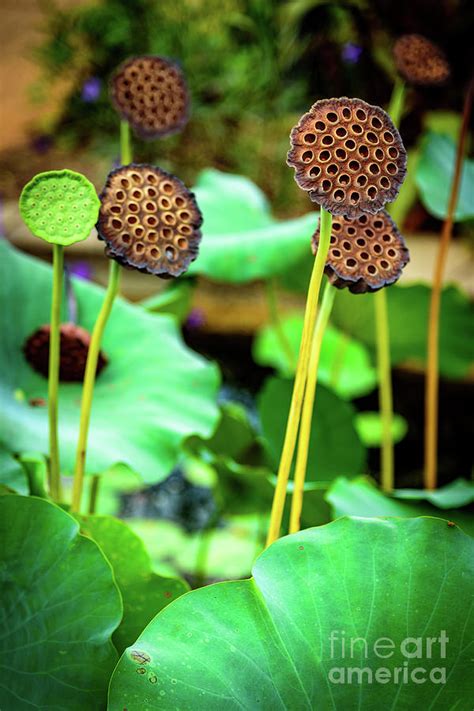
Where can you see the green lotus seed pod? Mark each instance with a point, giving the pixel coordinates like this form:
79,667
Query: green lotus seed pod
60,206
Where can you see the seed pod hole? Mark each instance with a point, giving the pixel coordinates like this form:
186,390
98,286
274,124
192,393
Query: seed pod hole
332,169
327,140
309,138
341,132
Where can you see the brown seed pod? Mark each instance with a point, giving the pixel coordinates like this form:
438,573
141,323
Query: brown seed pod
348,156
151,94
149,220
74,347
365,254
419,61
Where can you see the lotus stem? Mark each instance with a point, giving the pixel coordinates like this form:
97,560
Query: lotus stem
94,348
291,433
308,407
385,389
397,101
94,493
432,368
53,375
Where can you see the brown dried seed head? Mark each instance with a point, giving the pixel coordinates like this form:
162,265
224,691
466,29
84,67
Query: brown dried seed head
365,254
149,220
419,61
74,347
348,156
151,94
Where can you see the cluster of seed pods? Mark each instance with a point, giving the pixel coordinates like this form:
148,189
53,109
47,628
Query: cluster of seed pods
150,92
350,158
74,347
420,61
149,220
366,253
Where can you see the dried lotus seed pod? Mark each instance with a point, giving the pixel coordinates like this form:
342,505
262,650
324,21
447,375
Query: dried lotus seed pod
59,206
149,220
419,61
348,156
365,254
74,347
151,94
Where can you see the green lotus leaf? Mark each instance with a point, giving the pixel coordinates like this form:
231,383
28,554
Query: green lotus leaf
335,448
153,393
454,495
59,607
370,428
241,239
143,592
60,206
12,474
408,317
360,497
434,176
345,364
275,641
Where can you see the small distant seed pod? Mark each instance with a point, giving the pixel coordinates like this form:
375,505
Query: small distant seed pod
348,156
59,206
74,347
420,61
151,94
365,254
149,220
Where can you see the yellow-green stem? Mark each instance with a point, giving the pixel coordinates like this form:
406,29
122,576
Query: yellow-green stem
385,389
53,374
291,433
125,143
308,406
89,381
397,101
275,320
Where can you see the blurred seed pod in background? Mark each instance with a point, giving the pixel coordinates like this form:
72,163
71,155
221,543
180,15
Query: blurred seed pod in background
74,347
366,253
348,156
149,220
420,61
151,94
59,206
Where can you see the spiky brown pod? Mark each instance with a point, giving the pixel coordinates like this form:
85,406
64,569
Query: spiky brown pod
420,61
74,347
151,94
149,220
348,156
366,253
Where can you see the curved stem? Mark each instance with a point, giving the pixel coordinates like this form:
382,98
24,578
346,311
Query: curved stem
385,389
89,381
125,143
397,101
300,378
53,374
308,406
432,368
275,320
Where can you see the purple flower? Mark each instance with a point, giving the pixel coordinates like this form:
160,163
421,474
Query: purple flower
82,270
196,319
351,53
91,90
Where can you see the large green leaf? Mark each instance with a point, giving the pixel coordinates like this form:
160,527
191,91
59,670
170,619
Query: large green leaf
434,175
59,606
153,393
241,239
335,448
344,366
454,495
12,474
275,641
360,497
408,317
144,593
